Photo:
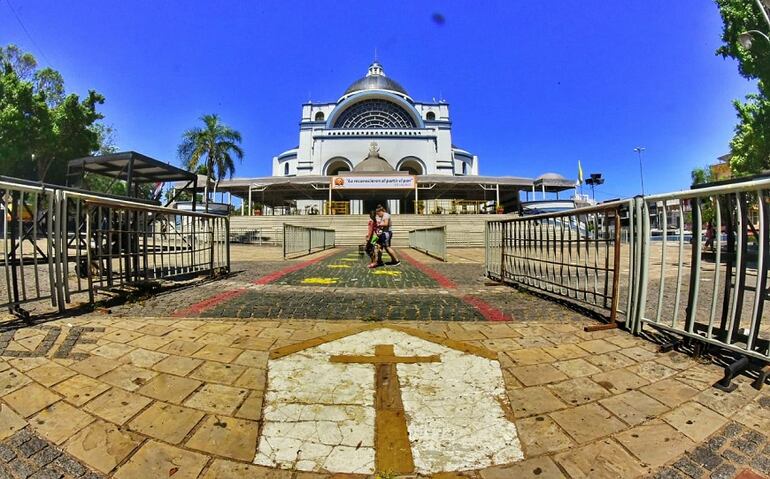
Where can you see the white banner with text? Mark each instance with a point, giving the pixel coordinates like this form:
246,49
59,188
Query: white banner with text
374,182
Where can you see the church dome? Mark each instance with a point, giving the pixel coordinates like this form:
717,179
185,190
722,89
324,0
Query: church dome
375,79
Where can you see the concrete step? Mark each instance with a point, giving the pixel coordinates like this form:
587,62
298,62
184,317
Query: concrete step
462,230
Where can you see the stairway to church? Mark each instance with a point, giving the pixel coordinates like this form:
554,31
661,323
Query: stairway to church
462,230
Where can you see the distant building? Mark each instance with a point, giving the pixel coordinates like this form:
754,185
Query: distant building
721,170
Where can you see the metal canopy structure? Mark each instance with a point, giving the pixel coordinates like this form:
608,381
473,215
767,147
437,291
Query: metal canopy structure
282,191
131,167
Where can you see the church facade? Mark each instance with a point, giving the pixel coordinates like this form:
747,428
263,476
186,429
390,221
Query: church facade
413,137
377,145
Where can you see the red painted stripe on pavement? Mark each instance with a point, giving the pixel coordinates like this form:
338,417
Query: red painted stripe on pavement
209,303
430,272
215,300
275,276
489,312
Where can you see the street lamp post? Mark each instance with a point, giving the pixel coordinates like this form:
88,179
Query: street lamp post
763,11
594,180
640,149
746,38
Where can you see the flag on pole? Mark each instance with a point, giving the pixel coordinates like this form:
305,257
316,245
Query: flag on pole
580,174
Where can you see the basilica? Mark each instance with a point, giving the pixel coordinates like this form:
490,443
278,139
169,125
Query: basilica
377,144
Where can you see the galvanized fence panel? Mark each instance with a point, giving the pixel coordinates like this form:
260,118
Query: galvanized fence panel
431,241
576,254
710,283
301,240
246,236
58,242
692,264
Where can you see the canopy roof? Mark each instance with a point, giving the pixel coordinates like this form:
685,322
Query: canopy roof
129,166
281,190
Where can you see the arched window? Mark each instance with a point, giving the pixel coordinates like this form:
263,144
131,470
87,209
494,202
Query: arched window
374,114
411,165
319,116
430,116
286,169
337,165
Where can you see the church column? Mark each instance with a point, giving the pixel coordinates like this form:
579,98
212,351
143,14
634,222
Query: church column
416,198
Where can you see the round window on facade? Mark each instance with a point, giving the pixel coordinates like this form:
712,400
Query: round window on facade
430,116
319,116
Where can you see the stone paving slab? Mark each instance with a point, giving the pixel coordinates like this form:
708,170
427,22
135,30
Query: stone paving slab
138,392
188,396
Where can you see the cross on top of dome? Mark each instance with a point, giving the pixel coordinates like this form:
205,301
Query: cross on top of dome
376,79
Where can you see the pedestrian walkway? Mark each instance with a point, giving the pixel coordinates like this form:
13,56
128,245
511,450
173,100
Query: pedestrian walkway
289,370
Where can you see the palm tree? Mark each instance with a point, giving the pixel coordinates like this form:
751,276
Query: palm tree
212,147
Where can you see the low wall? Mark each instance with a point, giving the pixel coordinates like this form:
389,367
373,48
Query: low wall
462,230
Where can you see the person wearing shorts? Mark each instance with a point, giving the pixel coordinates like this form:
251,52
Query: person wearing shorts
372,240
384,225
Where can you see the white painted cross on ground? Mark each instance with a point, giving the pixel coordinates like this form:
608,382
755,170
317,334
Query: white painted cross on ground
327,402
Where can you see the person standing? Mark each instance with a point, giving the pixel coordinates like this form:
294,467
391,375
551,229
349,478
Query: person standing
372,248
385,225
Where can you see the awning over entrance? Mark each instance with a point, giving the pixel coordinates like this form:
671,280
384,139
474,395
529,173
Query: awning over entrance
281,189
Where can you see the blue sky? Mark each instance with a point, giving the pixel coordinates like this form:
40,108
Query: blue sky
532,86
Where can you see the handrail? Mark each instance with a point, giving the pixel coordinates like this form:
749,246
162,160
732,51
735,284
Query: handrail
431,241
302,240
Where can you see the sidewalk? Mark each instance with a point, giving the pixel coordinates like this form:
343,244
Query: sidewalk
149,392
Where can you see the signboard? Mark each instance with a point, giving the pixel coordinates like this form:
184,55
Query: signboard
374,182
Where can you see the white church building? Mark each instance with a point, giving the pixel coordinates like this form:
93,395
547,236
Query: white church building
412,136
376,144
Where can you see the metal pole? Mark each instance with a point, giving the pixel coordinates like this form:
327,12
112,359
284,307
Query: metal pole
640,149
249,200
764,12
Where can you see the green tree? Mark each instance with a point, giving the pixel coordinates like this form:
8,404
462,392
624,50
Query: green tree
750,146
701,175
214,146
23,63
41,128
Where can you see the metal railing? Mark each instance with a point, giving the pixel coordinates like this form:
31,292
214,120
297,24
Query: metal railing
302,240
713,291
58,242
431,241
246,236
709,286
574,254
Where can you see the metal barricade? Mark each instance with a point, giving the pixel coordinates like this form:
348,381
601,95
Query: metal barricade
573,254
301,240
709,285
61,241
246,236
431,241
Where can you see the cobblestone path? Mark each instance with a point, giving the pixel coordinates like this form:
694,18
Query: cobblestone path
338,285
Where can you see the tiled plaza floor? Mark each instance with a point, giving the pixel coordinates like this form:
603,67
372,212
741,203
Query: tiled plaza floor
149,391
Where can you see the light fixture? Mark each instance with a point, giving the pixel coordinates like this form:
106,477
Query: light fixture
746,39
